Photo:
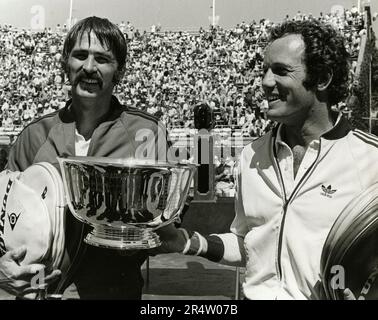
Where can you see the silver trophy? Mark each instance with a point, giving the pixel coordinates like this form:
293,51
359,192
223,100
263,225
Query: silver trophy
125,200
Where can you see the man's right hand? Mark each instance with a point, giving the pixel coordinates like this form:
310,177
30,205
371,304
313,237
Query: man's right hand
16,279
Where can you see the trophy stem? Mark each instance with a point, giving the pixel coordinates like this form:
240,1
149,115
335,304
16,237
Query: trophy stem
125,238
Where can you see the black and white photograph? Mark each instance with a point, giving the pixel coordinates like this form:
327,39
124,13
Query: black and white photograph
210,152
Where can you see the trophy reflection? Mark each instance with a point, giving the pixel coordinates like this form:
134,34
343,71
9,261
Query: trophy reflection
125,200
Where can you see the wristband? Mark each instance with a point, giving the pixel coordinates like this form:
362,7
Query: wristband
186,235
198,245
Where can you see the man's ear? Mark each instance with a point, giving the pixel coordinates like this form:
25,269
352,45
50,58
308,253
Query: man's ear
324,79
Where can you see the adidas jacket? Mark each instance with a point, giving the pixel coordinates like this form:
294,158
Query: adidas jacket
125,133
281,237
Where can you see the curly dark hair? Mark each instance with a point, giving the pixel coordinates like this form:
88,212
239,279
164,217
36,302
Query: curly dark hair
324,50
106,32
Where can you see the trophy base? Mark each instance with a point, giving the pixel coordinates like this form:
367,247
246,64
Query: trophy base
129,238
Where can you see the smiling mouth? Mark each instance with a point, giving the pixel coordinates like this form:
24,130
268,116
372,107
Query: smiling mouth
90,81
273,97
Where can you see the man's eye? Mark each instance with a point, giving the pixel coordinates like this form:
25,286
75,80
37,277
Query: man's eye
102,59
80,56
280,71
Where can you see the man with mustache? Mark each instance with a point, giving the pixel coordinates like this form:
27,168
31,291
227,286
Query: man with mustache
92,123
293,182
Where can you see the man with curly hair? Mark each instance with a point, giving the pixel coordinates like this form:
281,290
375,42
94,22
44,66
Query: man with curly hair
293,182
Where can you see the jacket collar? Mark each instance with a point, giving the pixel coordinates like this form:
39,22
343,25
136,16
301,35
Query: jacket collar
66,115
338,131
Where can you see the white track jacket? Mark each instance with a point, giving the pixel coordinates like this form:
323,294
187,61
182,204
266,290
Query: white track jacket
281,225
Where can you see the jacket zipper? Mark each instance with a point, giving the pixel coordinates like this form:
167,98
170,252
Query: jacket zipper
286,203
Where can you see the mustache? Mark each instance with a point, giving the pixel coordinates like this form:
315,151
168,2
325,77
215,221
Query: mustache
85,76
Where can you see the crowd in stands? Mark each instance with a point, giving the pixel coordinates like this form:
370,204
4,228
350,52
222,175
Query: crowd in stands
168,73
31,80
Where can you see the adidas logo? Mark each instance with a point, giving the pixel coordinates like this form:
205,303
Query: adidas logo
327,191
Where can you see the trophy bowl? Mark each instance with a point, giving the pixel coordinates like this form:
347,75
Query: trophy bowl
125,200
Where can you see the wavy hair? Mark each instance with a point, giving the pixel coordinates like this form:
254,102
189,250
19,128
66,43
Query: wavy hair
325,51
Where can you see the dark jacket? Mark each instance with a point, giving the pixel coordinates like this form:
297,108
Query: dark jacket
96,272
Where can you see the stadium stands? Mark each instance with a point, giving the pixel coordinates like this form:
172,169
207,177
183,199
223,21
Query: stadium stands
168,73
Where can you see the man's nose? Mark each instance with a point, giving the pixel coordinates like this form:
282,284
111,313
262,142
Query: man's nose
268,79
90,65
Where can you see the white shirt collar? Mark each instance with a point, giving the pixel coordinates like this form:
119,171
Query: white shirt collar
81,145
